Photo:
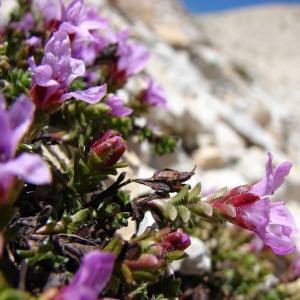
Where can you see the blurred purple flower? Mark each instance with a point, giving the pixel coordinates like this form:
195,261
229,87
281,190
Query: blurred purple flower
117,106
53,77
132,58
30,167
51,12
87,30
271,221
153,95
78,20
91,278
26,24
34,42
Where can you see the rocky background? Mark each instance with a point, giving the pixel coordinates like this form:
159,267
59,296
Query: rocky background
232,81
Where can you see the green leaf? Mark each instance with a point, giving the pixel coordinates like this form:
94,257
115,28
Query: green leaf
184,213
127,274
83,167
96,110
180,197
141,293
217,195
194,192
144,276
202,208
167,209
174,255
12,294
115,246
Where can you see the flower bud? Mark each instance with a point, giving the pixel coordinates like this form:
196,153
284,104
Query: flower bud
176,240
145,261
107,150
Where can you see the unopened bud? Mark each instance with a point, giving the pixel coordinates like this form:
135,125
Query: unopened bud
146,261
107,150
176,240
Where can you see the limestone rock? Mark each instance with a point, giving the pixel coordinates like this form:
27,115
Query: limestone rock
230,143
209,157
252,165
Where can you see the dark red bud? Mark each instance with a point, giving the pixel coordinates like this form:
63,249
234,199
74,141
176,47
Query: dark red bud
177,240
109,148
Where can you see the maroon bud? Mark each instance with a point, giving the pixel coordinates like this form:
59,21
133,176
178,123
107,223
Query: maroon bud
109,148
176,240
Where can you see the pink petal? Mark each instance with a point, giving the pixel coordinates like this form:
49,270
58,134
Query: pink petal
30,167
21,116
92,95
273,179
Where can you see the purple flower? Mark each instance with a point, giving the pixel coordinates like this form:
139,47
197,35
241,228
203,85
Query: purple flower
86,29
30,167
51,11
34,42
271,221
26,24
153,95
132,58
117,106
91,278
76,19
53,77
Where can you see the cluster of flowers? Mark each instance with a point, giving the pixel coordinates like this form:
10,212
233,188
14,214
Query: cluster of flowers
77,39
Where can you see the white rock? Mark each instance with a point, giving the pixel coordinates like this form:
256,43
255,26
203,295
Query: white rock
209,157
148,221
229,142
197,261
6,8
216,179
252,164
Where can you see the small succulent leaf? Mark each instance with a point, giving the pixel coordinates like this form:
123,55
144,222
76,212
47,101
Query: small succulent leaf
184,213
127,274
202,208
217,195
167,209
175,255
194,192
180,197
